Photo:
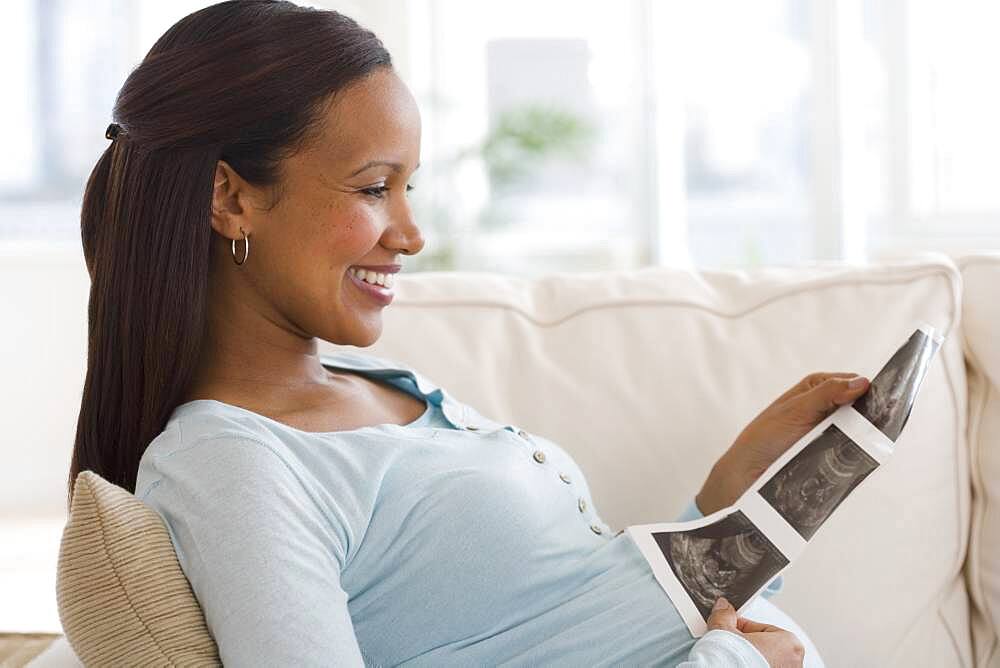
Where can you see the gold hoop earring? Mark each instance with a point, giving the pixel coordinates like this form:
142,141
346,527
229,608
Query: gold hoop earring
246,253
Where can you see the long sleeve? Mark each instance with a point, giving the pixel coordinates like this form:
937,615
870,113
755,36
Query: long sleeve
722,649
262,559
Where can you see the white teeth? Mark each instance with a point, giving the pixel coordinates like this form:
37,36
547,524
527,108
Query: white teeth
368,276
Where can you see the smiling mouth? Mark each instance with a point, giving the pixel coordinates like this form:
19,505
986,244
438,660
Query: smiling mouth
384,279
381,294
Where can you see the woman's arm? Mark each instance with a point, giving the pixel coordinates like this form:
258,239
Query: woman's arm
790,417
733,640
263,561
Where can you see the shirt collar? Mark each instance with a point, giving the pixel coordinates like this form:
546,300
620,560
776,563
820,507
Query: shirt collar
458,413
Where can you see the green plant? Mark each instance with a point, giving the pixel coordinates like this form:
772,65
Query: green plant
524,137
518,145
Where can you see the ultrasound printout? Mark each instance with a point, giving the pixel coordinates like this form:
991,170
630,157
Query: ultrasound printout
730,558
889,400
736,551
809,488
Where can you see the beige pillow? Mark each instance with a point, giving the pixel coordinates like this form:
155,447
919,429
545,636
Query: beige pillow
123,598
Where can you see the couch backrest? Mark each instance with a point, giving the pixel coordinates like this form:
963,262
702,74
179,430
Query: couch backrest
981,325
646,376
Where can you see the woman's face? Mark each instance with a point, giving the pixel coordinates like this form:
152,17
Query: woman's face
337,210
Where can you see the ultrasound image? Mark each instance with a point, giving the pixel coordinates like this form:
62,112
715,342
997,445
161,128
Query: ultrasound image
730,557
809,488
889,399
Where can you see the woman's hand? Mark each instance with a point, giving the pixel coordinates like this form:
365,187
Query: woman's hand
781,648
771,433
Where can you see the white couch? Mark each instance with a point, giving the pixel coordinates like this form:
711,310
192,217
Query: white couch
646,376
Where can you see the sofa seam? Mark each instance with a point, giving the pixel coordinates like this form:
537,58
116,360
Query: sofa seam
981,516
975,455
977,261
961,437
950,274
987,607
942,601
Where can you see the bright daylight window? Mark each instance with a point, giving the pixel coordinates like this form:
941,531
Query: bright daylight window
948,141
580,135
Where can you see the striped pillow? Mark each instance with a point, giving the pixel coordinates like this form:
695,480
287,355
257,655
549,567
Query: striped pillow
123,598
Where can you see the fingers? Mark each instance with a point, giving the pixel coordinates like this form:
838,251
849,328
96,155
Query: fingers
811,381
825,397
820,377
750,626
723,616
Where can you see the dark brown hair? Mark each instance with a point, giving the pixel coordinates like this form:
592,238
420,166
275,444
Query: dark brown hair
245,81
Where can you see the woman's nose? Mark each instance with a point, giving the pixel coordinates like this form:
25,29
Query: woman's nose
404,234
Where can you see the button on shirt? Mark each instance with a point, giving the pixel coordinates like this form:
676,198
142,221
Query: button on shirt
451,541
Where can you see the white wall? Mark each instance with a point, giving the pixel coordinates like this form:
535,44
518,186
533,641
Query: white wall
43,302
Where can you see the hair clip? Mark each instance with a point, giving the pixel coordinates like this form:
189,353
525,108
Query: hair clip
113,130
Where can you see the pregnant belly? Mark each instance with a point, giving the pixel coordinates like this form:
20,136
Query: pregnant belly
759,609
611,612
607,610
625,618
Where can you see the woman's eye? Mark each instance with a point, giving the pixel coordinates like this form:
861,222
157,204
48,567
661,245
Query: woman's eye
379,191
375,191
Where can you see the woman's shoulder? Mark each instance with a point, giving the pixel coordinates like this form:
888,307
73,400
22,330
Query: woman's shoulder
210,440
213,481
200,433
195,422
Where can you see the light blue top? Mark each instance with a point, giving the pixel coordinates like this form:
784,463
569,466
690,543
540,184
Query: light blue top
452,541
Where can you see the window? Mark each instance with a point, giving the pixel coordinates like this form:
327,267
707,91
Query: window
574,135
537,130
66,59
942,108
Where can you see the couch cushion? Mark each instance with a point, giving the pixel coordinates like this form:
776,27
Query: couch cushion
19,649
123,599
647,375
981,323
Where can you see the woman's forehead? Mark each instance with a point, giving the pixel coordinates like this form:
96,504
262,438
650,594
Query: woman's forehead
375,118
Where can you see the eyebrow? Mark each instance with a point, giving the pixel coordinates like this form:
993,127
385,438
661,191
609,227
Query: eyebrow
396,167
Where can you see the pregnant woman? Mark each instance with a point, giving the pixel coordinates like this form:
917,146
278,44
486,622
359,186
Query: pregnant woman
344,509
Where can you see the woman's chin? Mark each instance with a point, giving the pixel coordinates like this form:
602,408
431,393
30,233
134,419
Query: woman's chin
368,331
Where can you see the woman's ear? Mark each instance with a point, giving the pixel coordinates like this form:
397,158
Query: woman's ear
229,202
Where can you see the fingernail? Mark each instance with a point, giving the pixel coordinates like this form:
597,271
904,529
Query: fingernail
856,383
720,603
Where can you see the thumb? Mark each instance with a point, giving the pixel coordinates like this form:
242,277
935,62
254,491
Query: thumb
832,392
723,616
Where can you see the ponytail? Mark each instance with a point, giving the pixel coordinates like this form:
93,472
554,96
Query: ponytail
243,81
147,258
